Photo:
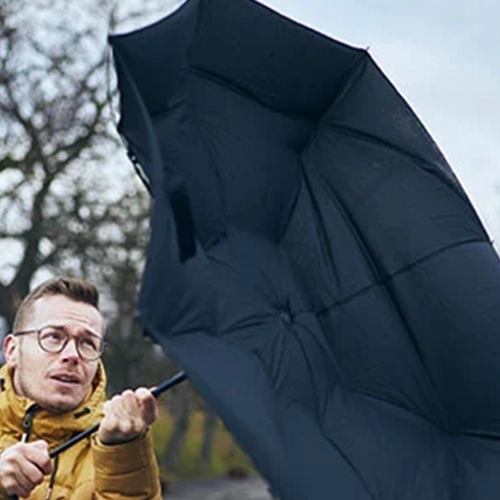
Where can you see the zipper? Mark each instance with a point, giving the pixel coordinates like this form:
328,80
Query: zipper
28,423
26,428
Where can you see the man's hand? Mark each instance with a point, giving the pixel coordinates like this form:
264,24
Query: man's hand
23,466
127,416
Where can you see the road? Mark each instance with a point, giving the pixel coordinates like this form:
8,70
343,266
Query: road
252,488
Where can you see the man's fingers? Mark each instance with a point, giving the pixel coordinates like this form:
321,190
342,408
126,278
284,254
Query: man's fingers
130,403
148,403
127,415
135,405
23,466
14,482
29,476
143,393
38,454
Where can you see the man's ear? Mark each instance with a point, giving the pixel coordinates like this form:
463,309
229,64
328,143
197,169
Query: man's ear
10,349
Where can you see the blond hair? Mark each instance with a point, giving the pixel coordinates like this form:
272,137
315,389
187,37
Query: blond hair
75,289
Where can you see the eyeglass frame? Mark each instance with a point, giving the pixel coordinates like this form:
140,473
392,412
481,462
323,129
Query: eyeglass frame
61,329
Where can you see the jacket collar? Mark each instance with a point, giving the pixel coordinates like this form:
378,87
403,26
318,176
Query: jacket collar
53,428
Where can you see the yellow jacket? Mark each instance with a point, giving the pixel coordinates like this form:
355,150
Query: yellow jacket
89,470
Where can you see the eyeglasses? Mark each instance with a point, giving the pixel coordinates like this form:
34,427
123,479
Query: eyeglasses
54,340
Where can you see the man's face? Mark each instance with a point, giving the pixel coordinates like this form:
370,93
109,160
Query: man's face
57,382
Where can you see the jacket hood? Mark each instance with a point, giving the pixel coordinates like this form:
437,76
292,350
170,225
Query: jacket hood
52,428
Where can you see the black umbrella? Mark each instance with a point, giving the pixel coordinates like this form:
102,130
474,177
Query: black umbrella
341,310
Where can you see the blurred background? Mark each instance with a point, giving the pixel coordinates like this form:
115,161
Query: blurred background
70,202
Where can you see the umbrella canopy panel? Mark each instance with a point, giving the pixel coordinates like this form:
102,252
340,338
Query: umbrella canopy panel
341,311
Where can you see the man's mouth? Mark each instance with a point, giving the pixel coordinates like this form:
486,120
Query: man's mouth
66,379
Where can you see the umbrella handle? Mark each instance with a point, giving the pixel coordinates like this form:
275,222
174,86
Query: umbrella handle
171,382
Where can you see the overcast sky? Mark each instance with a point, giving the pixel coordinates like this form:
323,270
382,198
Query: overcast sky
443,56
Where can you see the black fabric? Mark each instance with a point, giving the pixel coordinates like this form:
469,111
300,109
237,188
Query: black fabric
341,311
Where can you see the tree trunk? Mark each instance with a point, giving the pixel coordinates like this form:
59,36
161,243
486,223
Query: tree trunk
209,428
182,410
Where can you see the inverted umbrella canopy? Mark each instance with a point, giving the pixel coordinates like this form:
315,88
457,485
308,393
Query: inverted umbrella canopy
336,299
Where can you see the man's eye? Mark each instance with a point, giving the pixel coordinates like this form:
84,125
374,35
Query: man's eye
53,336
89,343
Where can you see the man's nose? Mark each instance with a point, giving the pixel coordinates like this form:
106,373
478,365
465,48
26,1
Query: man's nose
70,350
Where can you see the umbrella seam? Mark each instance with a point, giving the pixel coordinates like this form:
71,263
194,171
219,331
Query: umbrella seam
392,300
349,462
390,277
431,168
238,89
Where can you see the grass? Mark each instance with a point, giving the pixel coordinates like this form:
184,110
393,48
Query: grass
226,456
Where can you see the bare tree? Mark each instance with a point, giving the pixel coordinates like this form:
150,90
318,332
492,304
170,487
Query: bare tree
181,406
210,422
69,204
54,132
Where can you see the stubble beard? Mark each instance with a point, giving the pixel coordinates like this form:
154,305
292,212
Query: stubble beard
23,388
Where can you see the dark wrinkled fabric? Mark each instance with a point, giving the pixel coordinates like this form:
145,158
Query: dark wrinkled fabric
341,312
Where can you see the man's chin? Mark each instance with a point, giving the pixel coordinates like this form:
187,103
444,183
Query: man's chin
61,405
53,400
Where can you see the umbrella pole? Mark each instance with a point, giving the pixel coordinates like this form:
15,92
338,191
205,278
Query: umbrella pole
168,384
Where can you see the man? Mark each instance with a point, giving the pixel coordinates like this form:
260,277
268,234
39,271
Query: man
53,387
